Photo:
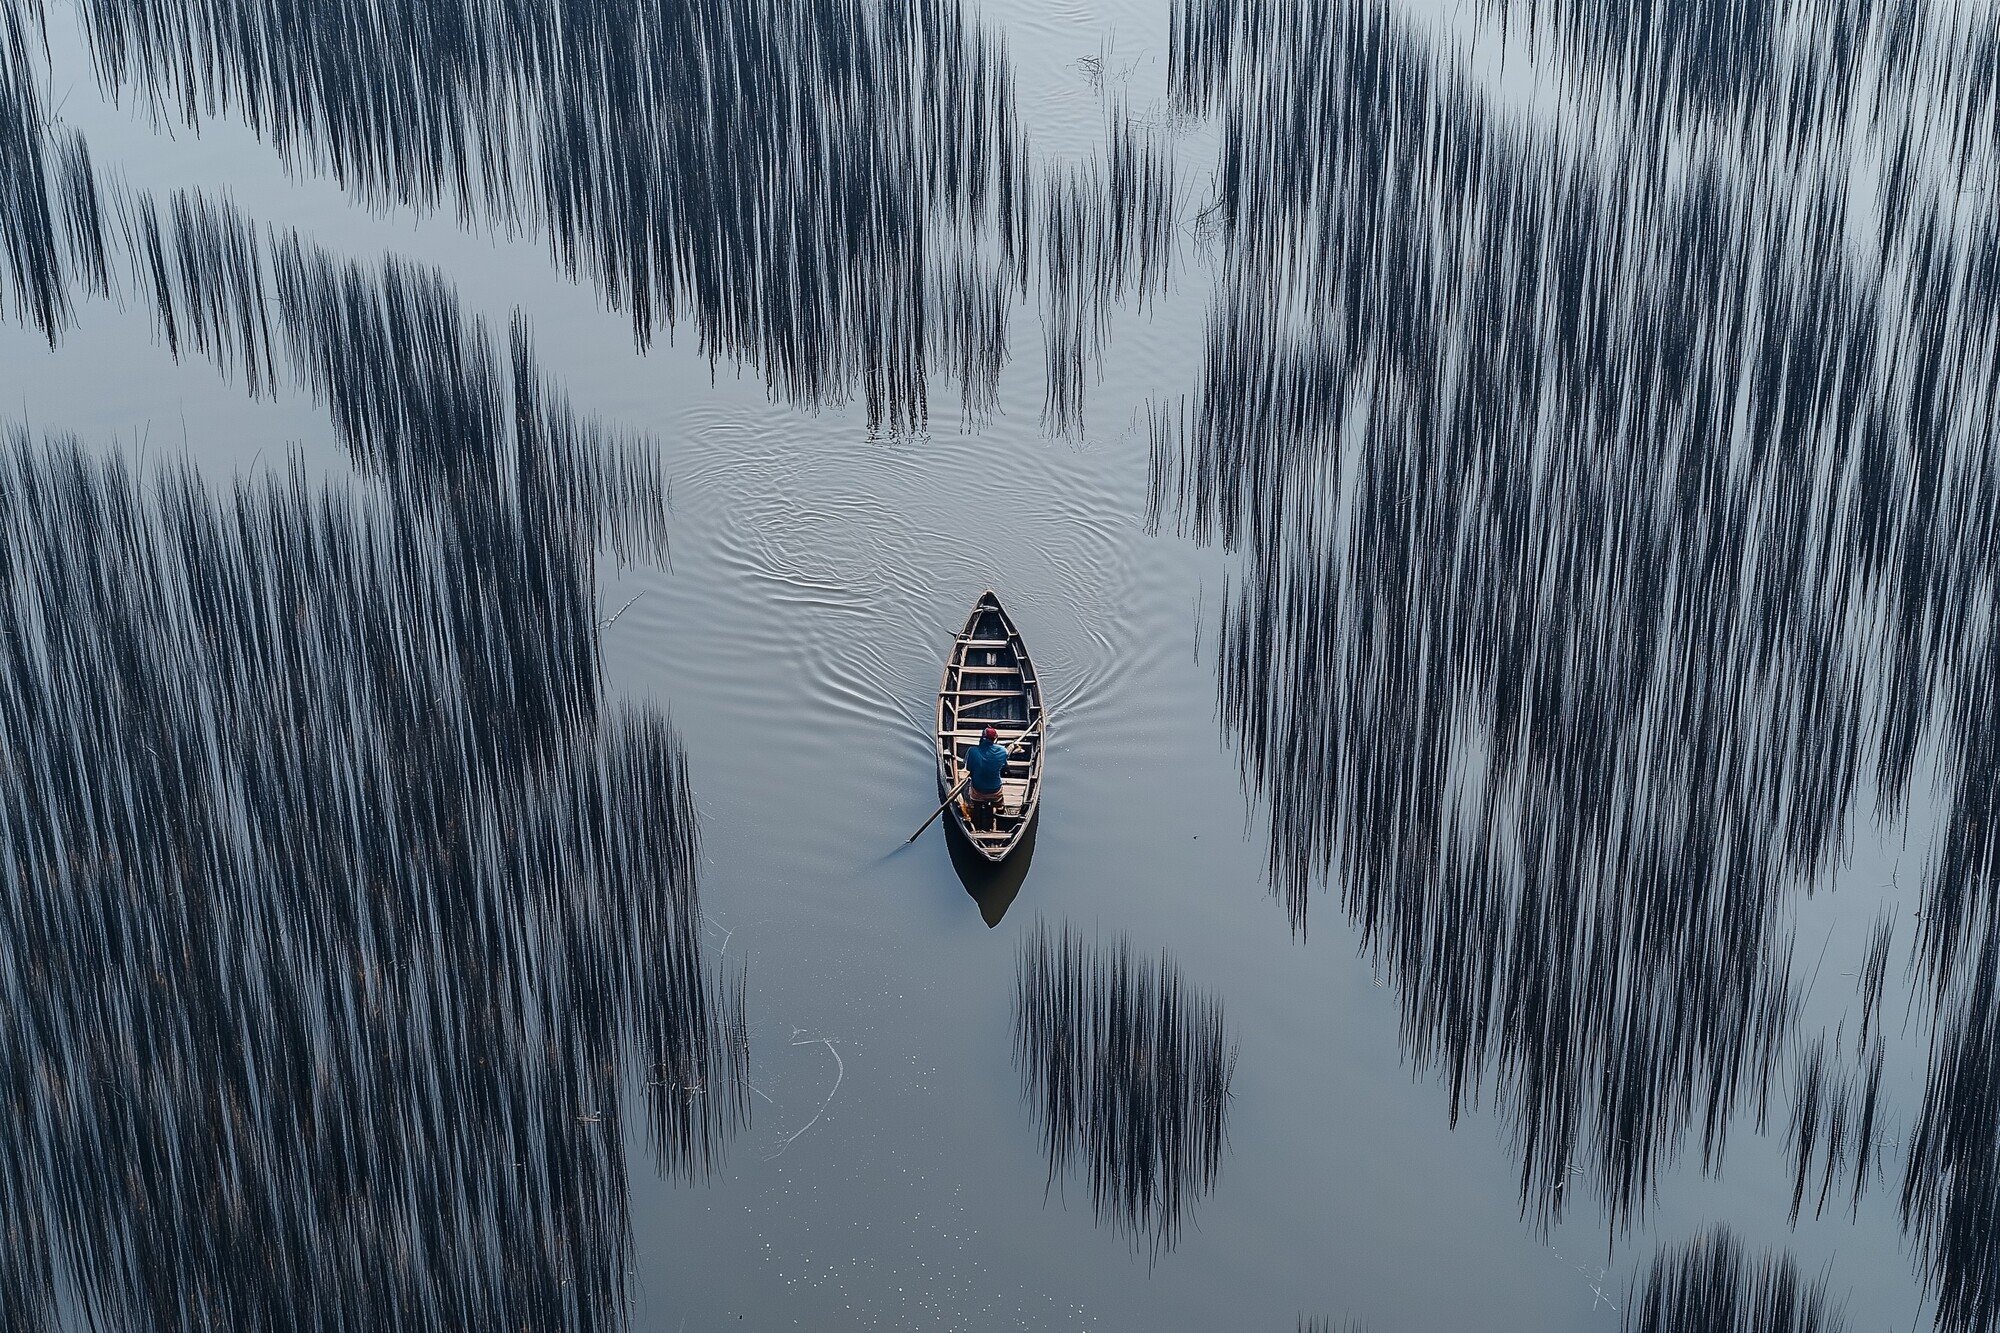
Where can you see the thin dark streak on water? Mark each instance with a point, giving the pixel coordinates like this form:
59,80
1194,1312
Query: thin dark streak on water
1712,1285
1127,1070
1867,1126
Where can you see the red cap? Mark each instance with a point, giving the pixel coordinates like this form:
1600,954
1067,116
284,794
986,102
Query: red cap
989,735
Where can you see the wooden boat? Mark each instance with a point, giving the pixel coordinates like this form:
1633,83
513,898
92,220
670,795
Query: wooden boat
989,681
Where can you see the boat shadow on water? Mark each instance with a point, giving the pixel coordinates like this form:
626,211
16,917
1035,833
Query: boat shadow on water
993,887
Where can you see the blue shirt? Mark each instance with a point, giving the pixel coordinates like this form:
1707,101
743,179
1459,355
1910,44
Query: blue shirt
986,762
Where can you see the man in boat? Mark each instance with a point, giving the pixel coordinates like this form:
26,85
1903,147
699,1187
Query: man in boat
986,763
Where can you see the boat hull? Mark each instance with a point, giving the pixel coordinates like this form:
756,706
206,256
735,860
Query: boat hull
989,680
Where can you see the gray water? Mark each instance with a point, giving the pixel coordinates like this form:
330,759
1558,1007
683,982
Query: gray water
891,1163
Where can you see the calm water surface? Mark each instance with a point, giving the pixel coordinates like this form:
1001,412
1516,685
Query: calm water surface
1502,495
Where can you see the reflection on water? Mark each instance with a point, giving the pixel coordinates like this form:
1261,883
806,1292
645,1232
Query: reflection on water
1616,512
346,914
414,385
1107,236
1951,1188
993,887
851,216
1616,518
338,913
834,193
1127,1069
1835,1118
31,161
1712,1285
1453,679
203,272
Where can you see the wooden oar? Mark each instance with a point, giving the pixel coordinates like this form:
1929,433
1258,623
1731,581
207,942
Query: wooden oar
953,794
